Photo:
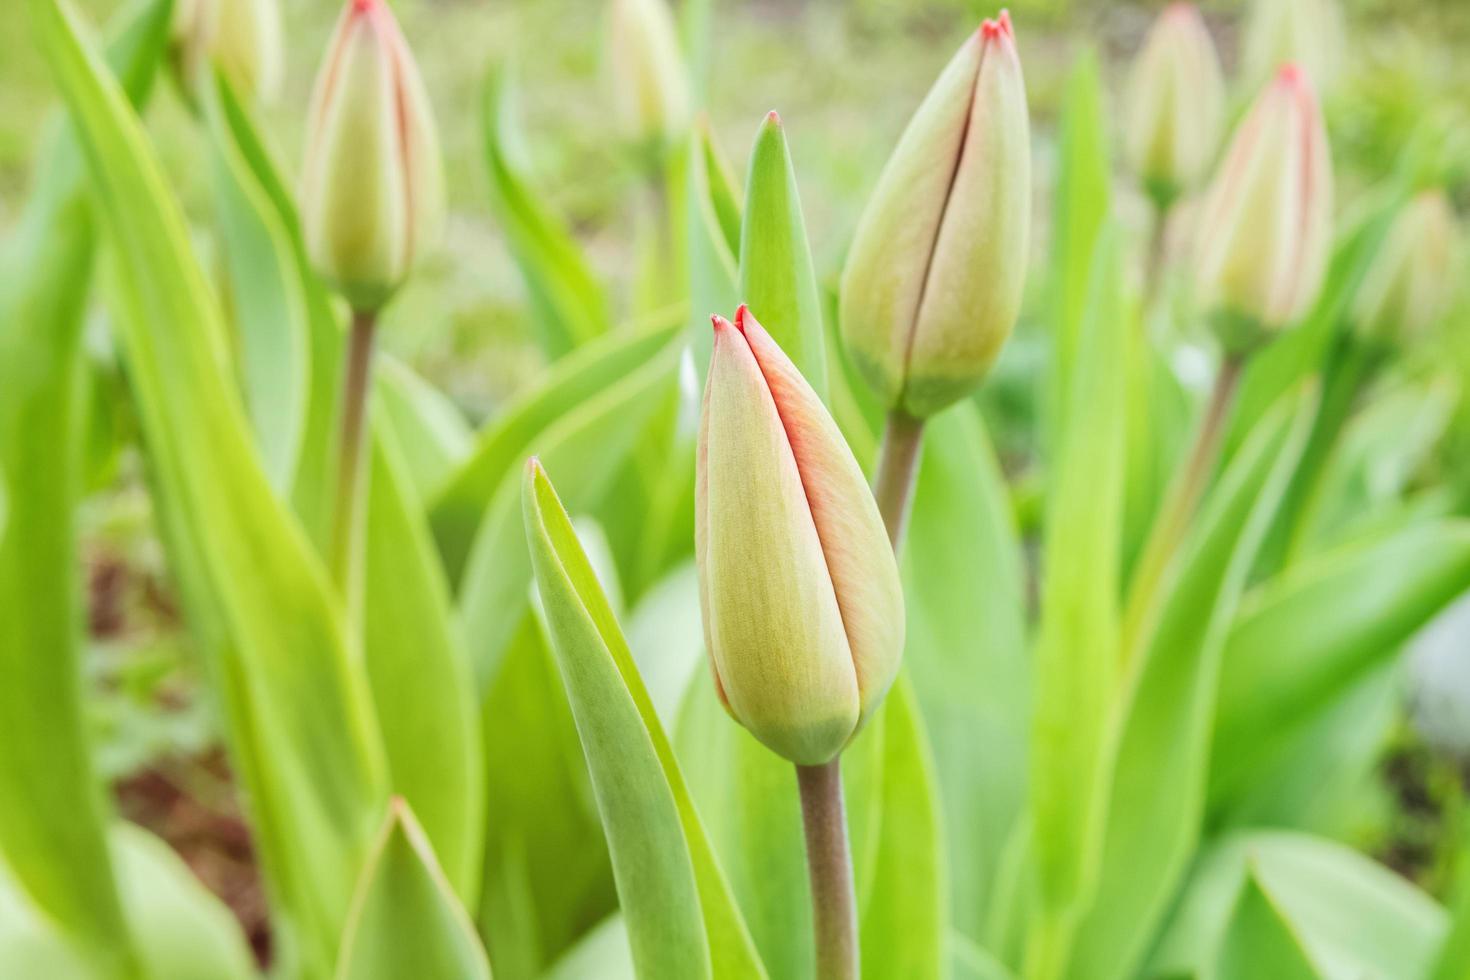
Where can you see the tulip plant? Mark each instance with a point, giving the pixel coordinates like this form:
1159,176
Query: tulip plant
729,648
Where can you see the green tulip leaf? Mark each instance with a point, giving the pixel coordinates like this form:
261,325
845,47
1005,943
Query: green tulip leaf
52,833
776,276
680,919
1260,942
405,920
565,295
254,589
419,672
1307,639
1167,703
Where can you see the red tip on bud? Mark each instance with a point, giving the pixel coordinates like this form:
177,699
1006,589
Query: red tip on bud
363,6
1291,75
718,322
740,315
773,117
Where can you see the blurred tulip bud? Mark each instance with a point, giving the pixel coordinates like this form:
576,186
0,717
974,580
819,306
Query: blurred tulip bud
1413,277
1265,227
934,280
650,87
243,37
373,187
248,46
1176,104
803,612
1308,33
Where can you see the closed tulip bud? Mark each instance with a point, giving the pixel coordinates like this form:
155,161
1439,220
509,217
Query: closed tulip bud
1265,228
650,87
1413,278
803,612
1307,33
934,280
373,188
1176,104
248,46
242,37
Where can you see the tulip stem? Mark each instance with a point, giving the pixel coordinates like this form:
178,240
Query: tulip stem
898,464
351,438
829,862
1179,506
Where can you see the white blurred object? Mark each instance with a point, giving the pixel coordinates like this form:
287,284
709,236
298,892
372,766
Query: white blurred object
1439,680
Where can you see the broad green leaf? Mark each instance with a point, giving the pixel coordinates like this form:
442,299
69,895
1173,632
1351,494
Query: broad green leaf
603,954
266,297
419,673
666,633
1453,960
680,918
904,920
1306,639
964,593
710,208
180,928
52,833
1077,652
253,587
406,920
1355,918
586,445
433,436
566,297
776,276
547,877
1167,704
1078,213
458,507
314,485
747,795
1260,942
969,961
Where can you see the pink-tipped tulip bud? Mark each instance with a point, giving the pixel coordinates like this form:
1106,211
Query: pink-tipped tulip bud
372,196
1265,228
649,85
803,611
1176,104
1413,278
933,284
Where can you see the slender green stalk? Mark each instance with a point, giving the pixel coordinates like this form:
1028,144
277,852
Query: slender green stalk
1179,505
829,863
1157,262
352,437
898,464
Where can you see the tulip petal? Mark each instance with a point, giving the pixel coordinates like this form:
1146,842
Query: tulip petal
850,528
775,630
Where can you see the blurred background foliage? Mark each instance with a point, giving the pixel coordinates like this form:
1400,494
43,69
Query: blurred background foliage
845,76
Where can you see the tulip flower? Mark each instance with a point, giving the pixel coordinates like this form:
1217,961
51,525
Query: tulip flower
242,37
799,589
372,196
1176,104
1265,228
650,87
933,284
1307,33
1412,279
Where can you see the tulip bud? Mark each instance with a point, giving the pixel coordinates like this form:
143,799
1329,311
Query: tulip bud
373,188
1412,278
247,45
243,37
1176,104
1265,227
650,87
934,280
803,611
1307,33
